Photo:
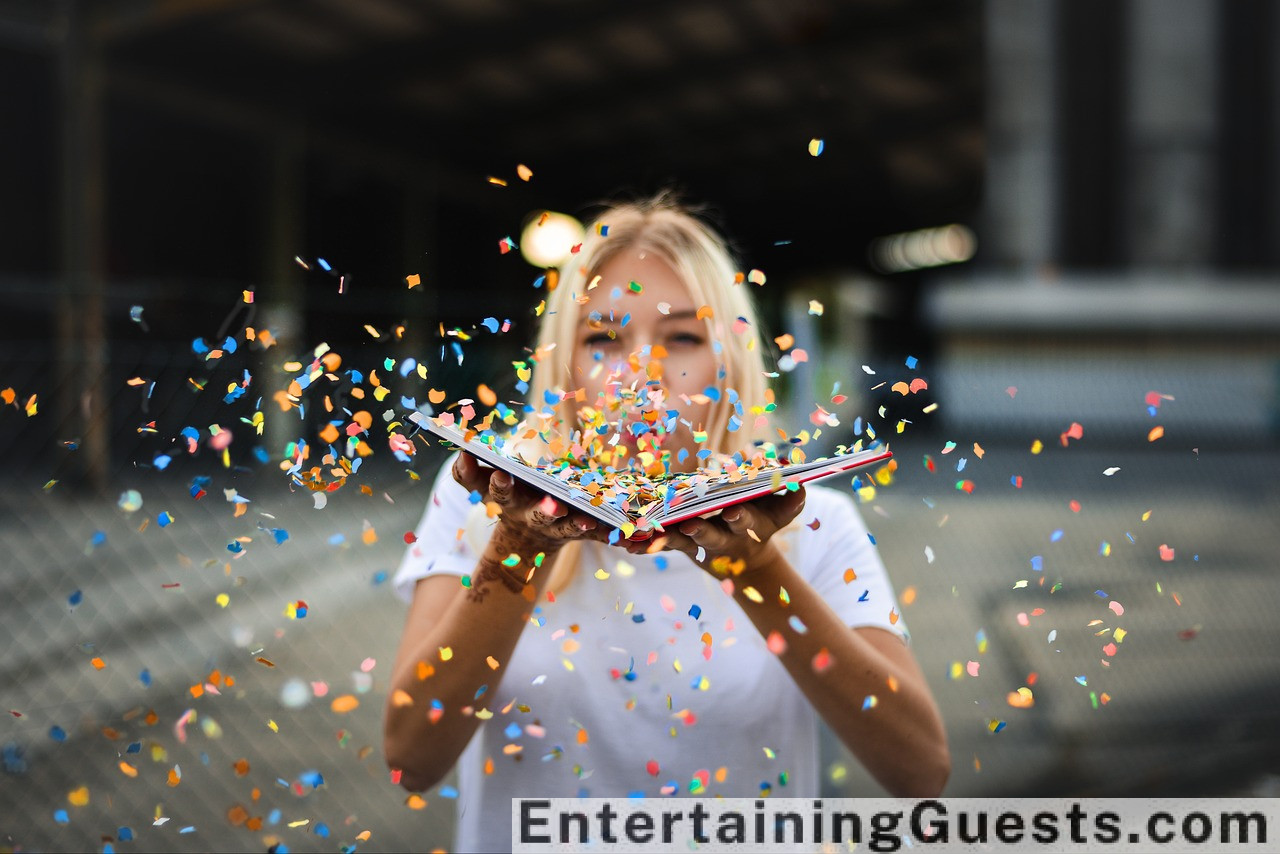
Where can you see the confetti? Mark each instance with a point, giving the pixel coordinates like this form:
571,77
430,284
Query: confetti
816,146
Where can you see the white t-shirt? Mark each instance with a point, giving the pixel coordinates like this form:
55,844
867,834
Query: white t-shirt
624,694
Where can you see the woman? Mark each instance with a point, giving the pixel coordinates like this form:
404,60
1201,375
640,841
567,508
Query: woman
697,662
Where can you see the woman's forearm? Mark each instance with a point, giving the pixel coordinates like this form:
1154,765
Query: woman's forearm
454,644
898,737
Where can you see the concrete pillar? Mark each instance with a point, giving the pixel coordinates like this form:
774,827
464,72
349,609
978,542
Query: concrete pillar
282,295
82,348
1019,204
1171,119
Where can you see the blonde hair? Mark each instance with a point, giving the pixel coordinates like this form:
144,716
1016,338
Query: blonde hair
701,259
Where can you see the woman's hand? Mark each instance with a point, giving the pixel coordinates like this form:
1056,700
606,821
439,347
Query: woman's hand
735,542
529,521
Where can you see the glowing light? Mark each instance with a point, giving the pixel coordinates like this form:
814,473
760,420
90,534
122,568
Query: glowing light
928,247
548,238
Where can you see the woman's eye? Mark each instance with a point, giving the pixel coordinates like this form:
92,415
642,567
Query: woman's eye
599,340
687,339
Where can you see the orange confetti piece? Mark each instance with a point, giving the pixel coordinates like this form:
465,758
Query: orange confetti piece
523,172
370,536
413,280
583,738
908,595
8,396
850,575
1156,433
435,395
345,703
486,395
175,777
401,698
127,769
98,663
415,802
79,797
704,312
241,767
784,341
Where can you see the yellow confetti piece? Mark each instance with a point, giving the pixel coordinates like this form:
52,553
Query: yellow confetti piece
492,662
601,574
275,727
223,599
1037,446
79,797
816,146
446,653
523,172
1021,699
248,296
345,703
752,594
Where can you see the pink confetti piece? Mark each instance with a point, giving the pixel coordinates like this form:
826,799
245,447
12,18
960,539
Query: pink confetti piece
972,668
1117,607
1166,552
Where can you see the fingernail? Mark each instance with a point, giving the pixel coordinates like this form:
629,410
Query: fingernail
501,478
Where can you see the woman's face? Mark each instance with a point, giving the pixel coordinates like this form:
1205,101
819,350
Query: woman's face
641,352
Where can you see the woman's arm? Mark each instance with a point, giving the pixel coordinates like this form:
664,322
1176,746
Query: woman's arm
479,626
900,740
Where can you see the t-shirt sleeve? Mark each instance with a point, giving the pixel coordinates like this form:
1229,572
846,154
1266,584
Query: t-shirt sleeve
440,545
841,543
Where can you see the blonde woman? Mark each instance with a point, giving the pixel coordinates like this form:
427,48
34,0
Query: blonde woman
632,668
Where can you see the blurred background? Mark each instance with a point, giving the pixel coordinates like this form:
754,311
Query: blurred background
1062,217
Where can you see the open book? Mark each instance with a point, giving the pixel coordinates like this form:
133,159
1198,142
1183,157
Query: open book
631,501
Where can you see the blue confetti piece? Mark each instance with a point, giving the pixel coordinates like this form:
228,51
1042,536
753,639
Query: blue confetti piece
871,537
614,536
626,318
234,547
164,520
98,538
448,792
190,828
162,461
960,464
314,779
280,534
475,497
912,361
57,733
379,577
513,730
337,539
866,594
1055,536
324,265
273,817
637,618
124,834
1083,680
1101,594
260,454
539,282
61,817
144,676
712,392
322,830
229,344
75,598
199,347
135,747
300,612
660,562
695,611
1037,563
479,693
490,323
